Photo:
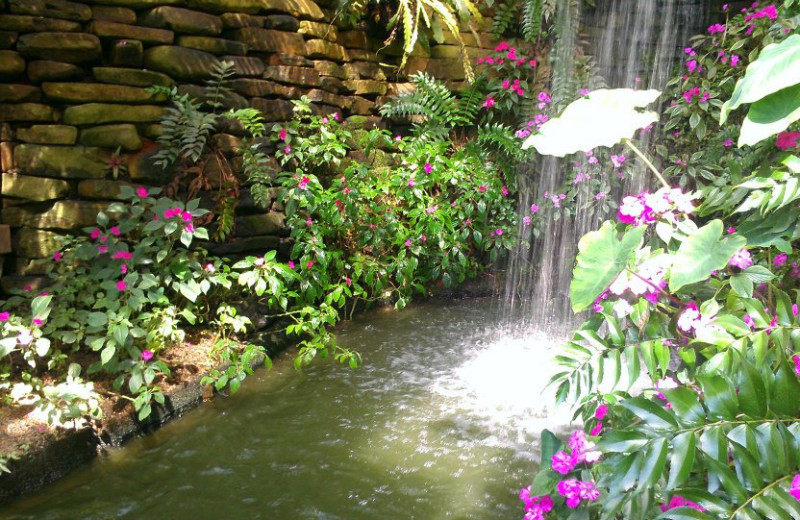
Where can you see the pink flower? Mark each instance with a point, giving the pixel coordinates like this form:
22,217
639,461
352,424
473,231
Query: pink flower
58,255
209,268
598,428
282,134
691,65
481,188
121,285
488,102
584,92
147,355
5,315
679,501
631,210
411,183
779,259
796,360
186,216
303,184
689,318
310,264
95,233
114,231
141,192
287,150
423,238
428,168
534,209
290,264
600,412
499,232
731,229
786,140
526,220
562,463
741,259
408,243
347,281
38,322
748,320
795,489
122,255
123,268
734,60
794,310
728,142
576,490
335,116
102,249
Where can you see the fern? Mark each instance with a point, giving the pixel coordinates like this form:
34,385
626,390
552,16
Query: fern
505,17
221,72
532,20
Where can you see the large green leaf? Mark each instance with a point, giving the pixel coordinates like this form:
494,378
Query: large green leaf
775,69
702,252
601,258
604,118
771,115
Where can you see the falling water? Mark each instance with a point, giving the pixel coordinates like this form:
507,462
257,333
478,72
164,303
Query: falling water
632,43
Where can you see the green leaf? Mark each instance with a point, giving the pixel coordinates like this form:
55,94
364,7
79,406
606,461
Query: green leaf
752,392
550,444
742,285
682,459
770,115
107,354
97,319
656,417
654,463
686,405
702,252
603,119
601,258
622,441
785,392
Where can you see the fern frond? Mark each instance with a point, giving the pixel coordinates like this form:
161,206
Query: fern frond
532,20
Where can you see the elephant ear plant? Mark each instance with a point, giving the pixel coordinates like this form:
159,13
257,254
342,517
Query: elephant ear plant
697,304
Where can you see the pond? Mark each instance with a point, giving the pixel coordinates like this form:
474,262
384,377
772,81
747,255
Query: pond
440,422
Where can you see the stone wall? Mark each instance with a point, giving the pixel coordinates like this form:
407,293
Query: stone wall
73,78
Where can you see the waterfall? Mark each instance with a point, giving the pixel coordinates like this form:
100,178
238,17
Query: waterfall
631,43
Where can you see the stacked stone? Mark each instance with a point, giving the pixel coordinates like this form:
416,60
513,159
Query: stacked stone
74,102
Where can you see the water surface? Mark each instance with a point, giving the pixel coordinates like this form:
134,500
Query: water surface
440,422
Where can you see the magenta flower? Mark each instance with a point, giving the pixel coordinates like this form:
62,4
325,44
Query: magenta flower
95,233
504,191
121,285
499,232
576,490
561,462
488,102
584,92
114,231
598,428
741,259
734,60
481,188
310,264
408,243
748,320
123,268
727,143
601,411
731,229
102,249
141,192
147,355
347,281
38,322
411,183
526,220
290,264
691,65
5,315
58,255
786,140
796,360
282,134
122,255
779,259
534,209
303,184
795,310
679,501
631,210
428,168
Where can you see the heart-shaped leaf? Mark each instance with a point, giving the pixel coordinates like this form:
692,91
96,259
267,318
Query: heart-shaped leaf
702,252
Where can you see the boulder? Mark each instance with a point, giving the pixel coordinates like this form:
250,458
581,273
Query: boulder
100,113
273,109
46,70
260,87
318,30
25,24
180,63
303,9
136,4
75,93
11,64
281,22
106,13
37,243
69,162
126,53
246,65
26,112
10,93
142,168
239,20
361,87
268,40
123,135
103,189
34,188
327,50
254,244
134,32
320,96
52,9
134,78
64,214
48,134
60,46
8,39
183,21
271,223
329,68
225,6
213,45
353,39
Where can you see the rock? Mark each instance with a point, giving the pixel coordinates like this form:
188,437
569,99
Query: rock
364,69
359,122
60,46
260,87
205,95
353,39
52,9
100,113
26,112
136,4
123,135
362,55
11,64
180,63
281,22
329,68
126,53
303,9
26,24
452,70
294,75
74,93
213,45
64,214
142,168
13,283
10,93
365,86
5,241
8,39
34,188
362,106
268,40
224,6
134,78
288,59
113,14
69,162
273,109
226,143
452,52
245,65
48,134
319,30
134,32
46,70
238,20
255,244
271,223
326,49
183,21
37,243
320,96
103,189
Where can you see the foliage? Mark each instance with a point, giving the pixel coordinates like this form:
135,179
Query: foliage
699,307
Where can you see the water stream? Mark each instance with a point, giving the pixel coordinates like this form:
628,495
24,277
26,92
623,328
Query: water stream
440,422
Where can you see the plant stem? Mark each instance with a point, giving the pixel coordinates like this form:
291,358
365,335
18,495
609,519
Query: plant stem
646,161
